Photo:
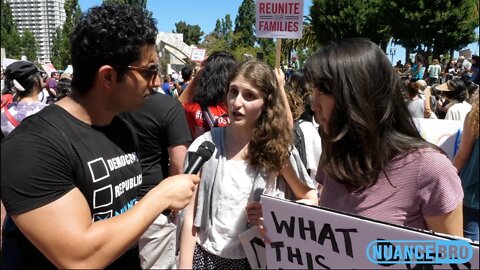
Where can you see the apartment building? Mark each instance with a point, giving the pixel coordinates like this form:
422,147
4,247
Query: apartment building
42,17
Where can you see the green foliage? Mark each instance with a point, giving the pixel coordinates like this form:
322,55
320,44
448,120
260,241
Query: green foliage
55,57
10,39
432,26
336,20
212,43
29,45
140,3
60,51
244,35
191,33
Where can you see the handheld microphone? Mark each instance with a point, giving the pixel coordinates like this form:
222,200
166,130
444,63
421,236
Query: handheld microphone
197,159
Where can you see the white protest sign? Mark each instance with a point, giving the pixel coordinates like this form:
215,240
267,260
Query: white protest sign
446,134
198,54
279,18
312,237
49,68
254,247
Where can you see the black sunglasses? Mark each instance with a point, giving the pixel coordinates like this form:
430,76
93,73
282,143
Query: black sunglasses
152,70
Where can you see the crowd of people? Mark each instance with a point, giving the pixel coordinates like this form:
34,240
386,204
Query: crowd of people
93,176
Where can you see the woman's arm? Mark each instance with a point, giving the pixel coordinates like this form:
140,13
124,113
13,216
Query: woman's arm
188,236
466,145
449,223
302,192
281,86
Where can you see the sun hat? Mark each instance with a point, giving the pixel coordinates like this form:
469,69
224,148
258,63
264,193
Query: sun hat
449,86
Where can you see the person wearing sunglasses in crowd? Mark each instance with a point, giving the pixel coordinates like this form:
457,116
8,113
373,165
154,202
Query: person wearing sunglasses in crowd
70,182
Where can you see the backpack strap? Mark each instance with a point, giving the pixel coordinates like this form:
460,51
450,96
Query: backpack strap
208,118
299,141
10,117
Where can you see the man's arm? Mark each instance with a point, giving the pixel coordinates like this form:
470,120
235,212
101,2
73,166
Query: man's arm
64,232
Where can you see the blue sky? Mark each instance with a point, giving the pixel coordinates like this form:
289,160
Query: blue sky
195,12
206,12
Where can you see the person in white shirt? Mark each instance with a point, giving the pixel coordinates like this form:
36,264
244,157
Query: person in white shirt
455,92
434,71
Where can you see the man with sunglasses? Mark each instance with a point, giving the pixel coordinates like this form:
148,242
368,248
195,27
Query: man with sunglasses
70,174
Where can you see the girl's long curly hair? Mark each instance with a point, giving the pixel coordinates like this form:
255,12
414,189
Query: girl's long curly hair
271,140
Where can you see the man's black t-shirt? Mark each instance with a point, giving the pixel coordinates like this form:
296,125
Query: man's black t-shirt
159,124
52,153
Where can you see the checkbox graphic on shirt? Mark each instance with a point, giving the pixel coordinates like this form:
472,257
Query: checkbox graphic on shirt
102,197
98,169
102,215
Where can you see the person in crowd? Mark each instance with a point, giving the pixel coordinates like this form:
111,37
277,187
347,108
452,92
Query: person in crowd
475,70
464,67
163,139
434,72
306,137
207,107
186,73
432,98
455,92
51,85
374,163
467,163
451,70
64,86
418,68
72,202
407,72
166,85
249,155
22,78
2,84
472,89
415,104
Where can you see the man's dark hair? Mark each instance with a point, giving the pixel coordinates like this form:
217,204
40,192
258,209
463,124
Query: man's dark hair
110,34
186,73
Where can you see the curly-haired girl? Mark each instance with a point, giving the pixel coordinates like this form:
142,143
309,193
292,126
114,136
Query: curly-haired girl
250,154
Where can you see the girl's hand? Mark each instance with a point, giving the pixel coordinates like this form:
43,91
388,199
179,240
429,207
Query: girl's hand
280,77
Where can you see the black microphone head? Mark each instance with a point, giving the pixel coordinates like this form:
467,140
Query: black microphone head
206,149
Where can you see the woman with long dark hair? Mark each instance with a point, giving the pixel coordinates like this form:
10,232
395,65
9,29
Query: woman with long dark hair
374,162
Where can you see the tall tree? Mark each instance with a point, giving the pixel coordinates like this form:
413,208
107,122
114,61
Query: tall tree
336,20
61,57
244,33
227,25
29,45
140,3
191,33
55,57
432,26
10,37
